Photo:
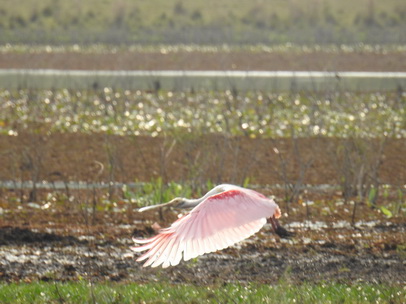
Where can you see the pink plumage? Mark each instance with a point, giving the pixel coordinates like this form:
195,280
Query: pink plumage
224,216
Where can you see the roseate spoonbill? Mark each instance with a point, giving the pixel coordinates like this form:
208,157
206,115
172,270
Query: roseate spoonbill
225,215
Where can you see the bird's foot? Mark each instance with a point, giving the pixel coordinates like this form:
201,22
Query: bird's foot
283,233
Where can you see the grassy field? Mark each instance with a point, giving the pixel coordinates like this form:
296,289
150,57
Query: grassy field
179,21
86,292
259,114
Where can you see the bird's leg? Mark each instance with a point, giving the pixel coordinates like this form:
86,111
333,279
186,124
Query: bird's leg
279,230
274,222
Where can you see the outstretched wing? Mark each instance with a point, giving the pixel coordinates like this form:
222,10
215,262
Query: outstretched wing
218,222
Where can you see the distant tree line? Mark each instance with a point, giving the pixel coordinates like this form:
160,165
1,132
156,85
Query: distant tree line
180,22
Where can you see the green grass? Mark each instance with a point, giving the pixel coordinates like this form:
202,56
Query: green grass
158,12
84,292
179,20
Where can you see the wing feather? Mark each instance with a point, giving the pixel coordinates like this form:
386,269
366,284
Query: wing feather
212,245
164,254
187,252
192,249
144,241
153,242
152,249
172,253
221,220
178,256
155,252
197,248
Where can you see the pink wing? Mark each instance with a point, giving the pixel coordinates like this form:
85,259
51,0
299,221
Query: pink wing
218,222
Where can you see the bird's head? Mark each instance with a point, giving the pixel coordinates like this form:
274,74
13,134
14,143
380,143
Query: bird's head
177,202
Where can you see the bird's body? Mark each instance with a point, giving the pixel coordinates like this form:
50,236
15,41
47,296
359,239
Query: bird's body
227,214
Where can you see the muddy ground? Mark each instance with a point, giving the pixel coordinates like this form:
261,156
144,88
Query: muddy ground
77,157
56,238
52,244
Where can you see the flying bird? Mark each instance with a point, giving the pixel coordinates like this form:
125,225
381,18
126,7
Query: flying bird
225,215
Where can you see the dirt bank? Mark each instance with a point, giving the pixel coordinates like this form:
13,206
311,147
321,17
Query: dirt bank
262,61
77,157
